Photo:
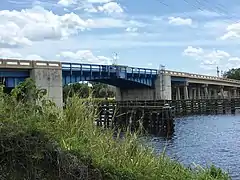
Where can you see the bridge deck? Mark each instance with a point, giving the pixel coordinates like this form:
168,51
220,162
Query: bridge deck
111,74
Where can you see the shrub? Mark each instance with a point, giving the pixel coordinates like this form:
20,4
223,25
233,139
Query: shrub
41,141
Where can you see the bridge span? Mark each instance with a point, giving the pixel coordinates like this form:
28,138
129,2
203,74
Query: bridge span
131,83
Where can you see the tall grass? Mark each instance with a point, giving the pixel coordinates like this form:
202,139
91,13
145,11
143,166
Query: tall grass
74,131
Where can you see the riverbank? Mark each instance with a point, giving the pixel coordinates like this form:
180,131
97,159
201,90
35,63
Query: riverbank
38,140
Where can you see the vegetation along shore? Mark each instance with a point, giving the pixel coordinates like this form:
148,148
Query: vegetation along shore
41,141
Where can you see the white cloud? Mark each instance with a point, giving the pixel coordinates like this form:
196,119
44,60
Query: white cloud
93,6
111,7
66,3
19,28
34,57
8,53
10,35
111,23
209,59
99,1
84,56
22,27
233,31
235,59
179,21
131,29
192,51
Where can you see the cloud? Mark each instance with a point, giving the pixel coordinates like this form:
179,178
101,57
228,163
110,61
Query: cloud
209,59
10,35
179,21
34,57
112,23
84,56
8,53
66,3
99,1
233,32
93,6
23,27
131,29
234,59
192,51
111,7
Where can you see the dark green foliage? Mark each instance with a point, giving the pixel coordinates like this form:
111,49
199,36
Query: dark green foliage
232,74
98,90
30,155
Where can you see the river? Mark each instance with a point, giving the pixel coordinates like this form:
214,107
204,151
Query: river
205,140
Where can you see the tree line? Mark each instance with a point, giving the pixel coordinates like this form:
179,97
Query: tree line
233,73
97,90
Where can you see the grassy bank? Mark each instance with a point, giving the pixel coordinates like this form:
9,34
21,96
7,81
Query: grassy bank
40,141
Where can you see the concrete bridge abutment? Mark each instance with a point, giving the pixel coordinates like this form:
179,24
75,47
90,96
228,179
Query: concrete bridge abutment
48,75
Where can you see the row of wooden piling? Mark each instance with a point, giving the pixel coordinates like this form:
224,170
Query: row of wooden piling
156,120
157,117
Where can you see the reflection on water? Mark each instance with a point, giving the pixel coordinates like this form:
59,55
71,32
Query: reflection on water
205,140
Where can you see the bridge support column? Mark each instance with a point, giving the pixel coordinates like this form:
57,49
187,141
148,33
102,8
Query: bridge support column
190,93
235,93
199,92
215,92
229,94
185,91
222,92
49,78
206,91
194,93
178,96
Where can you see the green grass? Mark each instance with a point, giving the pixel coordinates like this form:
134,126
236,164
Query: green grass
73,130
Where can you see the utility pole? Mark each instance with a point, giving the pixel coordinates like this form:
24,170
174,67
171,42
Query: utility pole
115,56
217,71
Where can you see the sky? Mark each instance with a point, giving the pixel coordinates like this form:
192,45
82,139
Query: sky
194,36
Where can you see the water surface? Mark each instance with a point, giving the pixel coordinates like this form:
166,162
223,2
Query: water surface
205,140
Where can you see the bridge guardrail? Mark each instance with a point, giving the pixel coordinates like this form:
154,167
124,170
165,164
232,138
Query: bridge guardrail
47,64
10,63
198,76
28,64
107,68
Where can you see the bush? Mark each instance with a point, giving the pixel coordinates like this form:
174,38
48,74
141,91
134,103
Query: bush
40,141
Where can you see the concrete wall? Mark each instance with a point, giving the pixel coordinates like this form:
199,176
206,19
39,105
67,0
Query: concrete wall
135,94
163,87
162,90
51,80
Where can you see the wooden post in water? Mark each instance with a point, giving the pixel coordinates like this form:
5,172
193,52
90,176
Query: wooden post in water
233,106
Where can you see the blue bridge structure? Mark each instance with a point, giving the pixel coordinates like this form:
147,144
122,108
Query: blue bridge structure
131,83
118,76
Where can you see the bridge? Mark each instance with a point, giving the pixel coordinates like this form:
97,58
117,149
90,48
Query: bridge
131,83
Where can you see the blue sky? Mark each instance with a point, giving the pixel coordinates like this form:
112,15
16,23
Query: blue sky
184,35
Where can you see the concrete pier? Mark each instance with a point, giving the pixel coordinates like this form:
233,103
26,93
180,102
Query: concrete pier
162,91
48,75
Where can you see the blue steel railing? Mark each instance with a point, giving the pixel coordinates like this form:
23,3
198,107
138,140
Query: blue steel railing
118,69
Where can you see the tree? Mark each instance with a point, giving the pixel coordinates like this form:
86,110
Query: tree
232,74
82,90
98,90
